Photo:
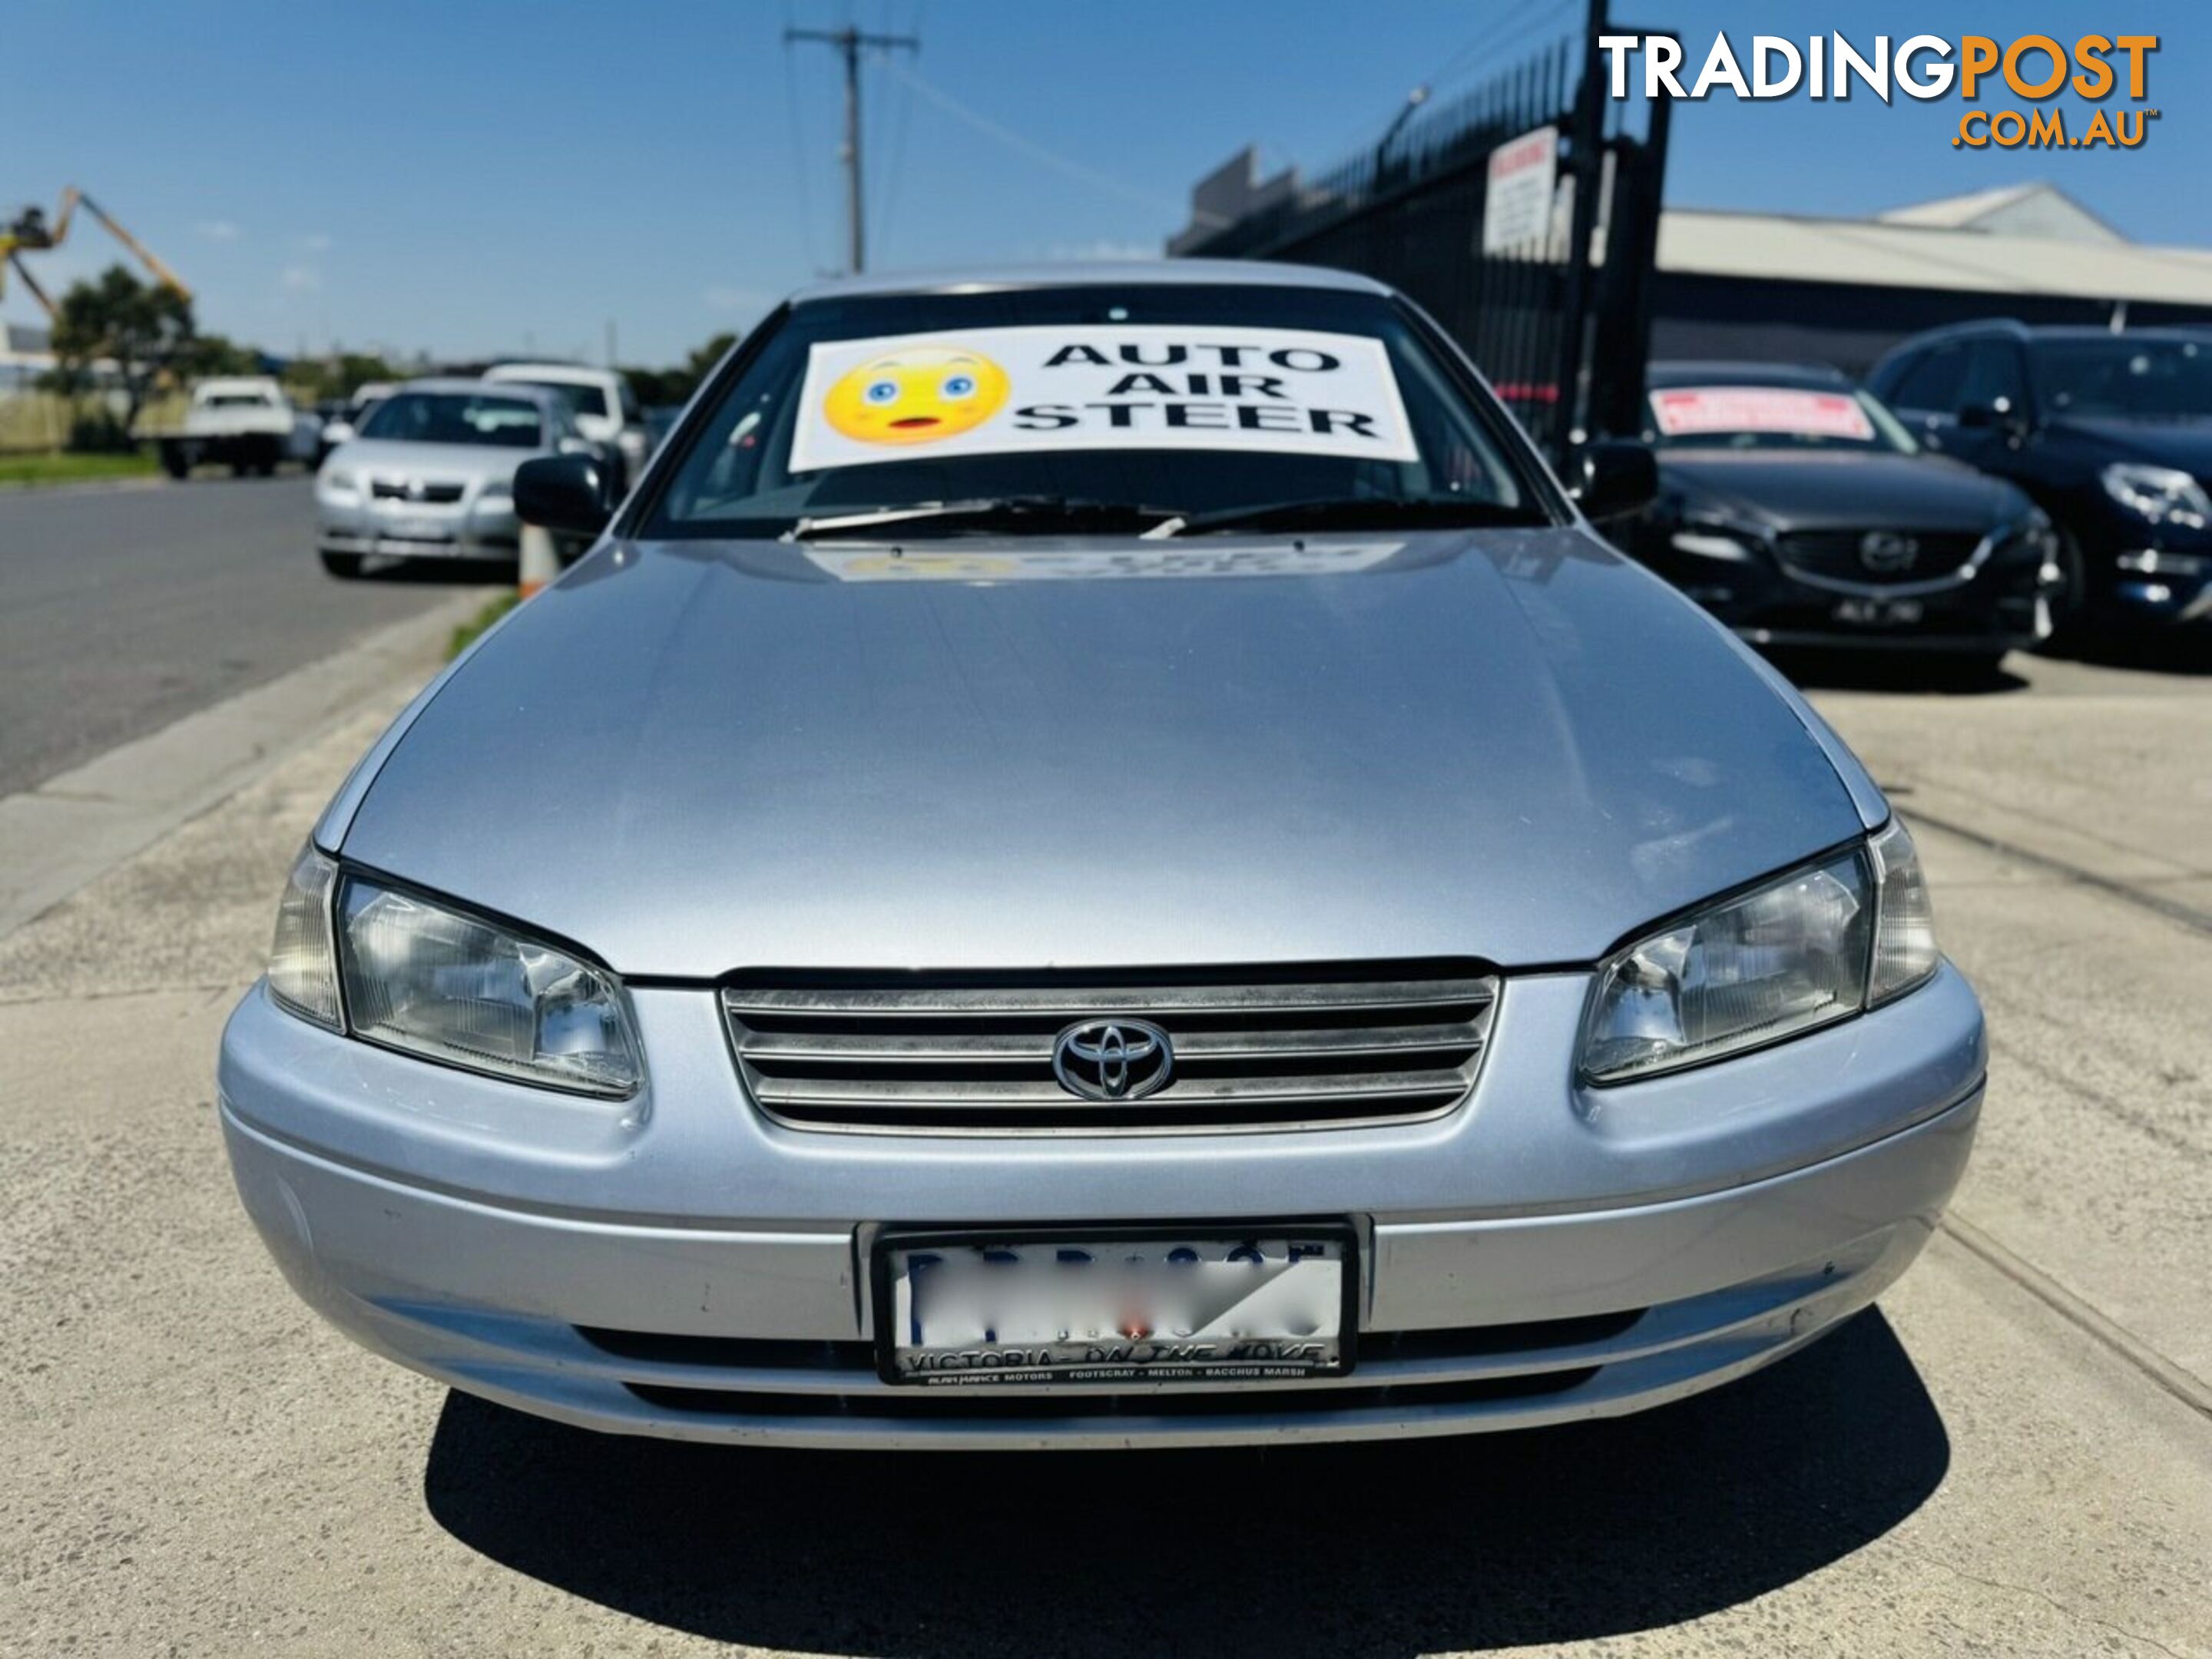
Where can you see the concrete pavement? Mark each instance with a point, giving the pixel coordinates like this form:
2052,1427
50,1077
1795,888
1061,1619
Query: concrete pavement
1997,1461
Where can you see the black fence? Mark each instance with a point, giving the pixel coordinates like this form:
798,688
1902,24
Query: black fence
1559,320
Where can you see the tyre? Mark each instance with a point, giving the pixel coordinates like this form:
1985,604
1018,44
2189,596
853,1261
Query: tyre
2073,626
346,566
176,460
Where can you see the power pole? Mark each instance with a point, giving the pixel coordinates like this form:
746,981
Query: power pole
851,42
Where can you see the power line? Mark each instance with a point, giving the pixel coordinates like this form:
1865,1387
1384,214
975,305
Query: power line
1029,147
888,194
849,42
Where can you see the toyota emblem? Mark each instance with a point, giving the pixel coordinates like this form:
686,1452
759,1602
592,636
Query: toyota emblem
1113,1059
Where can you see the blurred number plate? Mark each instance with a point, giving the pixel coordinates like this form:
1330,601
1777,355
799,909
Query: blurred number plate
1880,613
1113,1306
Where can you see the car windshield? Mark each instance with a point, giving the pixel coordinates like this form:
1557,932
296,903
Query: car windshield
1721,415
454,417
1178,408
584,400
2130,379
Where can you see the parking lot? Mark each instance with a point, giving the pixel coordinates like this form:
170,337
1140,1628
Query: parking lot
2013,1455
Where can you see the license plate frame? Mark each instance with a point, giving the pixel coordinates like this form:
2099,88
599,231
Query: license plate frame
1337,1231
1880,613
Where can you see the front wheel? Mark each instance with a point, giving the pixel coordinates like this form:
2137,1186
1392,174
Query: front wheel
176,460
346,566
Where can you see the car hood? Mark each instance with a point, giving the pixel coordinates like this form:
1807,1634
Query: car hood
692,758
1843,491
2186,443
470,461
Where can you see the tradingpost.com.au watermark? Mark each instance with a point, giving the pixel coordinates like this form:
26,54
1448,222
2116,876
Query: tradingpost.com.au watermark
2033,69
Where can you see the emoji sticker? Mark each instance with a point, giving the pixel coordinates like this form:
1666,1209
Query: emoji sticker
916,395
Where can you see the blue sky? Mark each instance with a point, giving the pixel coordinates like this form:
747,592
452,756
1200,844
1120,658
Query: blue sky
470,177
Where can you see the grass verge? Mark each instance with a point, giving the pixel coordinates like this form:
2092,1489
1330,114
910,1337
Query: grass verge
61,467
465,635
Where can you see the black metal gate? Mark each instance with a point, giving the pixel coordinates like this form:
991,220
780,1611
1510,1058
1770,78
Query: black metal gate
1558,321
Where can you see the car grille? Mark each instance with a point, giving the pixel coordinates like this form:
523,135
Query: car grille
1253,1049
397,489
1838,556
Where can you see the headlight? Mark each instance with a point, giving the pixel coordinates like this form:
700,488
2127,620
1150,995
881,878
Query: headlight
495,495
1816,945
303,973
2157,493
336,478
1712,538
437,982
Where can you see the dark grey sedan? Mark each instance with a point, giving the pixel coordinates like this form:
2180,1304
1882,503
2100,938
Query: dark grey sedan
1099,857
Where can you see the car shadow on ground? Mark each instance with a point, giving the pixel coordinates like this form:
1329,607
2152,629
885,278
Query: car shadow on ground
439,572
1811,669
1381,1551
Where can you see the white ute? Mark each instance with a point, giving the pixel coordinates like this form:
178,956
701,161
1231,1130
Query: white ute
244,421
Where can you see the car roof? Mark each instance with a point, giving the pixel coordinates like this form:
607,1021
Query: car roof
567,374
2012,328
461,386
1822,375
1211,273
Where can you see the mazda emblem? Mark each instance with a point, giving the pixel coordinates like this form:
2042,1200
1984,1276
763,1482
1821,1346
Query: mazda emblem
1113,1059
1883,550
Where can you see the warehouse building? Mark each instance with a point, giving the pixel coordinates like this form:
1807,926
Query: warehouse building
1770,286
1778,287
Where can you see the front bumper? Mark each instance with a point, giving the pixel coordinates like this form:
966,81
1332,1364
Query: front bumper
2005,603
681,1267
347,522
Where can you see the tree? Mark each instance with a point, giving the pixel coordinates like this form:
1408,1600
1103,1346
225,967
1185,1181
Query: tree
701,362
144,329
661,388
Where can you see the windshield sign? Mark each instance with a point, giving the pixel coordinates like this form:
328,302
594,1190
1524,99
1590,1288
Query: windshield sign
1693,411
1002,390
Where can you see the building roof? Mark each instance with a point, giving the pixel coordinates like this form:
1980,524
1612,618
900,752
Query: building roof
1794,248
2036,208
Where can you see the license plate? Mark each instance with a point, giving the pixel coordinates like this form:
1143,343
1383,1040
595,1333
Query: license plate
979,1309
1880,613
418,530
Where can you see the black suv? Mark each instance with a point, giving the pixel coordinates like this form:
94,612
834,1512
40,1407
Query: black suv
2111,433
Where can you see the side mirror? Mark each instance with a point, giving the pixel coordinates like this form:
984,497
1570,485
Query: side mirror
1619,476
564,493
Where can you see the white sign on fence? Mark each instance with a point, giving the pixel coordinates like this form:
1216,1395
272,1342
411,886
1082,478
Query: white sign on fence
1516,208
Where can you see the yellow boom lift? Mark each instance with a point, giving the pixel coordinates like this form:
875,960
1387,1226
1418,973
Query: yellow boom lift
31,232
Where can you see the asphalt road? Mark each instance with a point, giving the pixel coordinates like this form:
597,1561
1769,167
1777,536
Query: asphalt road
2011,1456
122,610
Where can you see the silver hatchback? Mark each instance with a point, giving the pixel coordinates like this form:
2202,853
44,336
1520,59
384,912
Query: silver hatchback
1099,857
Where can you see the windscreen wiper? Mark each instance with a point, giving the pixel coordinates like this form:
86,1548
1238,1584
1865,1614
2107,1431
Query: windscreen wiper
1350,513
1031,513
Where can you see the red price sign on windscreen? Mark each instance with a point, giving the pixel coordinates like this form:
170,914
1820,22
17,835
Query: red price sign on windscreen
1685,411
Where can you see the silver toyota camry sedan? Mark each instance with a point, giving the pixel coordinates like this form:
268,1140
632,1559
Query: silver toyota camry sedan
430,474
1099,857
